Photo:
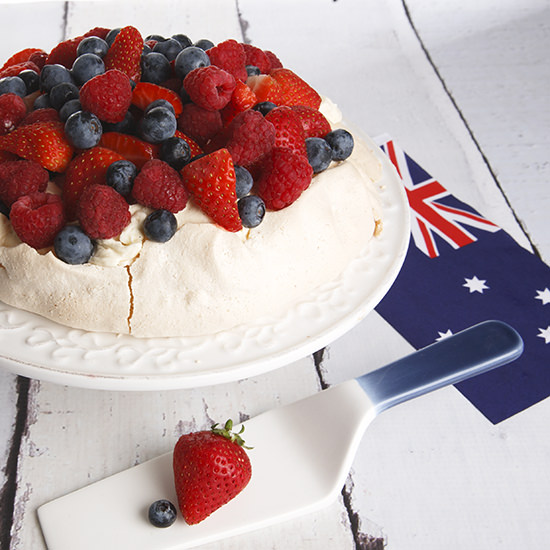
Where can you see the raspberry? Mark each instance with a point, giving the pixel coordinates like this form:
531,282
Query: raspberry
102,212
209,87
230,57
12,112
64,53
284,176
198,123
19,178
39,59
248,137
257,57
107,95
273,60
159,186
14,70
37,218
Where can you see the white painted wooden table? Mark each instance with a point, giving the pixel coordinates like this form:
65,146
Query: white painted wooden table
463,87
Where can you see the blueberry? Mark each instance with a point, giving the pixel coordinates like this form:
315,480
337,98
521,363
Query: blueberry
155,37
170,48
13,85
86,67
319,154
42,102
189,59
158,125
155,67
183,39
61,93
51,75
128,125
92,44
111,35
70,107
31,80
204,44
146,50
264,107
73,246
251,210
160,226
341,143
252,70
176,152
83,130
160,103
244,182
120,176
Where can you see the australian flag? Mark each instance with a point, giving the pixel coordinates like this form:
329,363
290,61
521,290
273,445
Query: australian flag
462,269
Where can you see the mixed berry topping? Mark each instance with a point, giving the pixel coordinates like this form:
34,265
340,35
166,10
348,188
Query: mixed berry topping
113,119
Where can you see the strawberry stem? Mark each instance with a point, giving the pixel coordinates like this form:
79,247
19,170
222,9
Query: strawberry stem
227,432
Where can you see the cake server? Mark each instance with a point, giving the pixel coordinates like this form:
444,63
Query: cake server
300,458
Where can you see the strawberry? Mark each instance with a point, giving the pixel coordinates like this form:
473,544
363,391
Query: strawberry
210,469
86,169
266,88
130,147
284,176
313,121
43,142
125,53
146,92
210,180
21,57
295,91
288,129
243,98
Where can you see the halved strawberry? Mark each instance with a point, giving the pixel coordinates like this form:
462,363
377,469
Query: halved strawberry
243,98
125,53
295,90
266,88
313,121
131,148
88,168
210,180
146,92
43,142
20,57
288,129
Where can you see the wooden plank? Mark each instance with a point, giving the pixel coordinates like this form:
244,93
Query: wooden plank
502,92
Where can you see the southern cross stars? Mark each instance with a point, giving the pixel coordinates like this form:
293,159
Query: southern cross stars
475,285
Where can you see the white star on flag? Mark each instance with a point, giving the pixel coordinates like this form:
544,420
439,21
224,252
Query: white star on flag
475,285
543,296
443,335
545,333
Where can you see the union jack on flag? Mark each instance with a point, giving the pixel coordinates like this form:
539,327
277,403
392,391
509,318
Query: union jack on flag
462,269
431,214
